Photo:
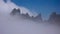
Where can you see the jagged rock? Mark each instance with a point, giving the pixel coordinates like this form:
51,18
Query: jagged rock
26,16
15,11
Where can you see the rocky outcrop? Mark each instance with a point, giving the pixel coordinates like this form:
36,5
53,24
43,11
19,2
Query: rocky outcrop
38,18
26,16
55,18
15,11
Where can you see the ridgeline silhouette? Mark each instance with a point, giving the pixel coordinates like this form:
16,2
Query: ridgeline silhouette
54,18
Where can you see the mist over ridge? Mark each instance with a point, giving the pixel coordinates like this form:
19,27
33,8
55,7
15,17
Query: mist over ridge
12,22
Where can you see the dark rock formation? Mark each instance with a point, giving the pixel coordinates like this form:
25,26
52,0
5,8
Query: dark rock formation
15,11
55,18
26,16
38,18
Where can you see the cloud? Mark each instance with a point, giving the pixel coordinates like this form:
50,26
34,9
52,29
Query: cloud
8,6
17,25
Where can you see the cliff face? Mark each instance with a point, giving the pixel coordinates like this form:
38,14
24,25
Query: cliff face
26,16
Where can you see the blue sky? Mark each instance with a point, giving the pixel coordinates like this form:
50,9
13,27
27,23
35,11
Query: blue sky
45,7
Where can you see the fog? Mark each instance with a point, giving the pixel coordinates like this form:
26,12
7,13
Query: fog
17,25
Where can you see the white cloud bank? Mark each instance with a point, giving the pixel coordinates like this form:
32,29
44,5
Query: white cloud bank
17,25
